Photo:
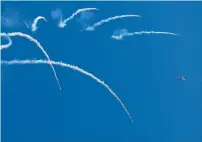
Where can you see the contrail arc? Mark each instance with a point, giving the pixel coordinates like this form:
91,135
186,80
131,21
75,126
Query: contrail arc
91,28
121,35
34,24
62,23
76,68
38,45
9,42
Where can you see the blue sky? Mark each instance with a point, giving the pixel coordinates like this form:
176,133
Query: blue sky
142,70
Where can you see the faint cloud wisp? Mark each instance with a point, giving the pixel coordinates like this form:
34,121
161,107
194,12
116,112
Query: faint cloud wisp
56,14
10,19
85,17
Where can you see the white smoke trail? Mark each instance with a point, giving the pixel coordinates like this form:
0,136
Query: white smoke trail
92,28
34,24
61,64
8,44
38,44
124,33
62,23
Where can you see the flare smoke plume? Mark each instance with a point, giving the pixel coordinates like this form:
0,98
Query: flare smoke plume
125,32
62,23
34,24
92,28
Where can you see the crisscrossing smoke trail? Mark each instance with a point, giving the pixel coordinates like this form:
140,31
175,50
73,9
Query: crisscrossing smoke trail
76,68
38,45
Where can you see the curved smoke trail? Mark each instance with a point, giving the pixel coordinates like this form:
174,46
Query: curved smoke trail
8,44
124,33
62,23
92,28
34,24
38,44
61,64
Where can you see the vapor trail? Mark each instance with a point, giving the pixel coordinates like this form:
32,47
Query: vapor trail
126,33
27,24
34,24
61,64
91,28
38,44
8,44
62,23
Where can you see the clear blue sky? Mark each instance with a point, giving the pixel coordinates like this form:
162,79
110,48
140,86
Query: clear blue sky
142,70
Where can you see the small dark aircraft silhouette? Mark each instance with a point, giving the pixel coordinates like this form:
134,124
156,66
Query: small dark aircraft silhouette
181,78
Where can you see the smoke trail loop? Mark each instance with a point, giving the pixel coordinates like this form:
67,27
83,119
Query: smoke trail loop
76,68
9,41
